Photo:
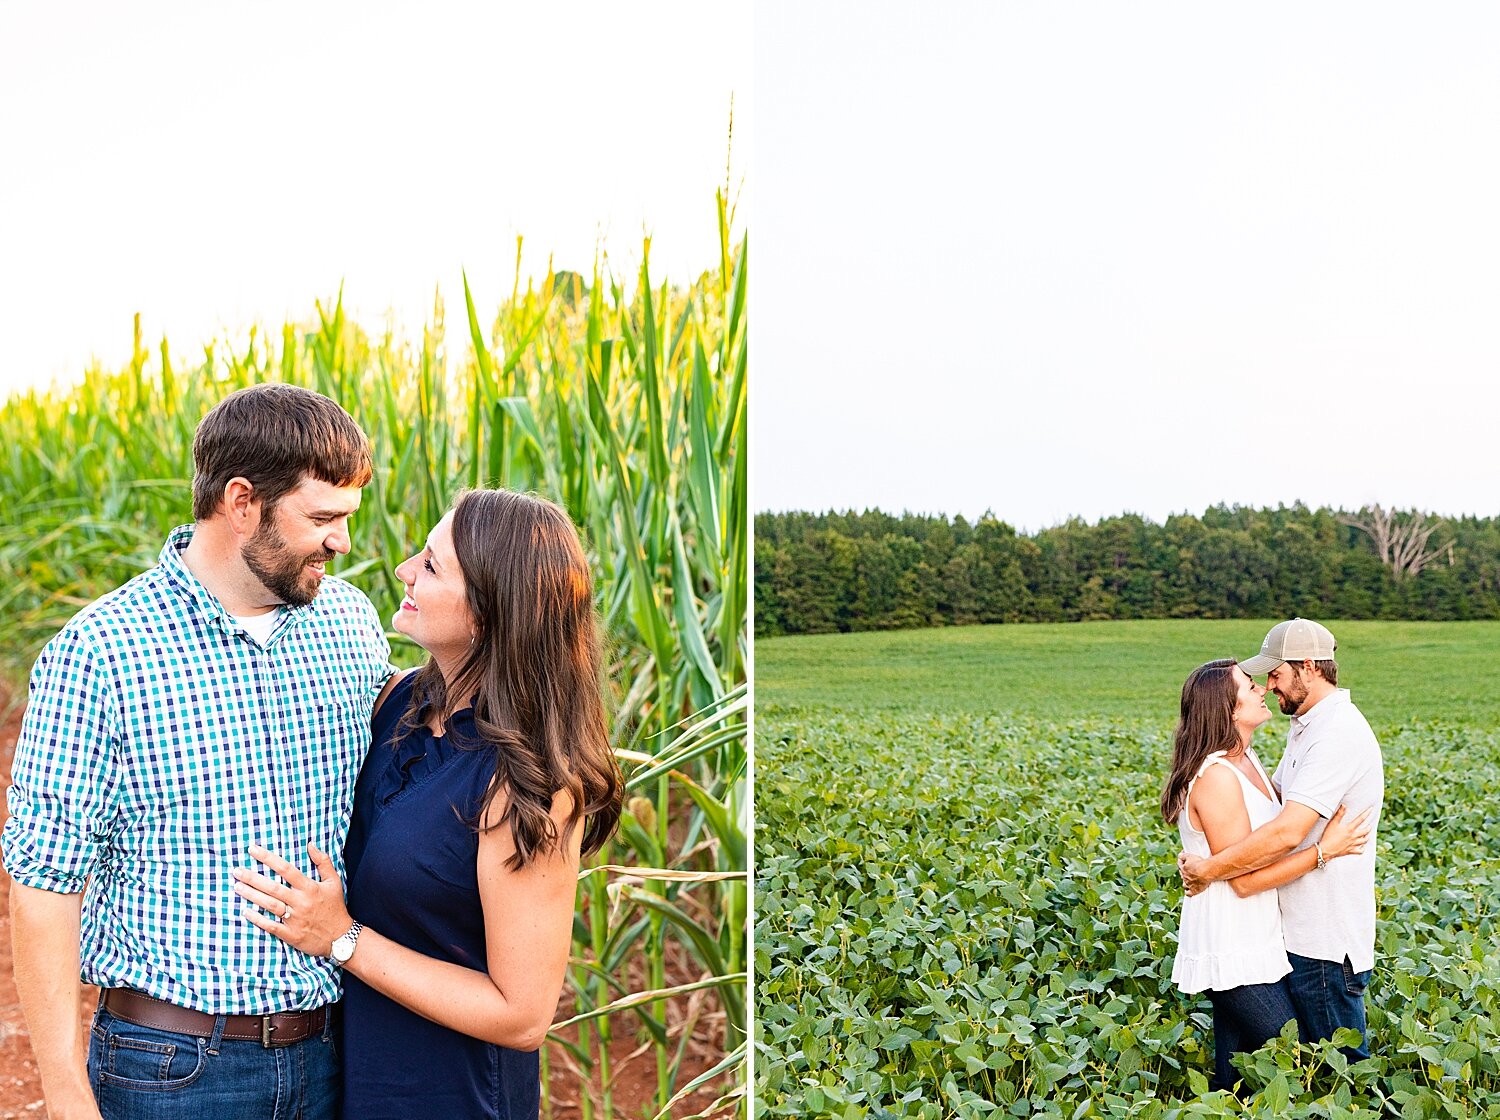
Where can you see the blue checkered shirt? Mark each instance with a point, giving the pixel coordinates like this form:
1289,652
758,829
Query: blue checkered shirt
160,741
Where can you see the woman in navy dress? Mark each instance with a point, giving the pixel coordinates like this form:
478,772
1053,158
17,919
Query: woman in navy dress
489,775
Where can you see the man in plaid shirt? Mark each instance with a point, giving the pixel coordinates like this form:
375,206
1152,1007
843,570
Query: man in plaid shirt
220,699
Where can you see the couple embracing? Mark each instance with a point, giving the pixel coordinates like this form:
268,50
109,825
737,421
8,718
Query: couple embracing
1278,922
228,807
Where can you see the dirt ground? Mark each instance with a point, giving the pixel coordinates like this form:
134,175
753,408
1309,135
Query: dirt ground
633,1062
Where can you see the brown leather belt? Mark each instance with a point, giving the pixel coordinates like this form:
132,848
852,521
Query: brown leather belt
282,1028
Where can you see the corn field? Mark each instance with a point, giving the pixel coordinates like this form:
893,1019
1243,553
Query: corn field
627,406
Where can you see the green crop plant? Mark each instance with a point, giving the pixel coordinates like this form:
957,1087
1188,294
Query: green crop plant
976,916
626,403
970,912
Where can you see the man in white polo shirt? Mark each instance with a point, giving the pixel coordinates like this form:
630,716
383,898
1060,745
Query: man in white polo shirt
1331,758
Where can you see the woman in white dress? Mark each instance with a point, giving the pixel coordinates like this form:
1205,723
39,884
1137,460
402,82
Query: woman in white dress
1230,942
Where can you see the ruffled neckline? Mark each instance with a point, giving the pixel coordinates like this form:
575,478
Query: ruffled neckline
420,754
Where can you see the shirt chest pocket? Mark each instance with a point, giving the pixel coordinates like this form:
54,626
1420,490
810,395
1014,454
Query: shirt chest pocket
191,752
332,734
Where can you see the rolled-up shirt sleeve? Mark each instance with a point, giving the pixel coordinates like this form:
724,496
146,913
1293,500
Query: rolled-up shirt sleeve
65,786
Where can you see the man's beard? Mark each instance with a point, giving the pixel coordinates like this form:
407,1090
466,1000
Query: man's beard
283,575
1289,700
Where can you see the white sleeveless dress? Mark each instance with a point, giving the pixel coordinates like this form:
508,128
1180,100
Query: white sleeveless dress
1226,941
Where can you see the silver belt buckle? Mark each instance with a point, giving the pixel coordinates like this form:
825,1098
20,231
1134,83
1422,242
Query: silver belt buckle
265,1032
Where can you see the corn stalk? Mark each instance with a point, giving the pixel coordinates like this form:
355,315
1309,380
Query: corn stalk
628,407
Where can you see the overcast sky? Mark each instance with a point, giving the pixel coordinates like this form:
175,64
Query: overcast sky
216,165
1086,258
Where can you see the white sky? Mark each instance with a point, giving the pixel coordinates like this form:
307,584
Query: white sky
216,165
1087,258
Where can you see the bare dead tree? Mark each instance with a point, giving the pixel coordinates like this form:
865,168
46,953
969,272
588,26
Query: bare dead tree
1400,539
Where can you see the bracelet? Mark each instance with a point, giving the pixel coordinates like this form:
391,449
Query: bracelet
1321,861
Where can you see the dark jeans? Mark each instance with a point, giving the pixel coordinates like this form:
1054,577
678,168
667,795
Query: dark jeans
1329,995
1244,1019
141,1073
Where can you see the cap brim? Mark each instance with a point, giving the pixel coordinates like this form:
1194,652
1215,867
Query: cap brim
1260,663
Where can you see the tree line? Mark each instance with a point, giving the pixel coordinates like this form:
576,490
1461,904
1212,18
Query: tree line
826,572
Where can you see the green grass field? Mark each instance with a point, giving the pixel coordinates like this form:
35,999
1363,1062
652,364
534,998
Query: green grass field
1397,672
967,904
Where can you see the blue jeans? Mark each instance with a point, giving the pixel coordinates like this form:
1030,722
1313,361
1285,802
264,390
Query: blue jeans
1244,1019
141,1073
1329,995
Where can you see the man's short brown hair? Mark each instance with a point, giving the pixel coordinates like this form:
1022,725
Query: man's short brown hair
1328,670
275,435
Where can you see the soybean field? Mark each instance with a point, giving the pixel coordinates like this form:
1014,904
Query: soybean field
967,903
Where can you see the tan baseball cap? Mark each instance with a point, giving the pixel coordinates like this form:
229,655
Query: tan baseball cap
1299,639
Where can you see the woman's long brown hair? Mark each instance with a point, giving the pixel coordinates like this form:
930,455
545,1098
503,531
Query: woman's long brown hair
534,672
1205,725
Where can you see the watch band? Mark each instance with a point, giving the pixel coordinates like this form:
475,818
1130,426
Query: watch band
350,937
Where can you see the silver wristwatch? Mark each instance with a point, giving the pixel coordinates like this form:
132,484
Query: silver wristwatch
343,948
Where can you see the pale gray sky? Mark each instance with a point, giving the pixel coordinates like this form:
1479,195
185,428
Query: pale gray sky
1087,258
217,165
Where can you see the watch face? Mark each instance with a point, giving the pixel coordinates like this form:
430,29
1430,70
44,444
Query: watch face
343,949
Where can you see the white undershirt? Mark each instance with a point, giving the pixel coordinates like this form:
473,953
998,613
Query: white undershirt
259,626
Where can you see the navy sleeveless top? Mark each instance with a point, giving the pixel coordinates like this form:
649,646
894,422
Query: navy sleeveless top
412,875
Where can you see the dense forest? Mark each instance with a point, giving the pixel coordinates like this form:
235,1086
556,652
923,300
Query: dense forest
821,573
